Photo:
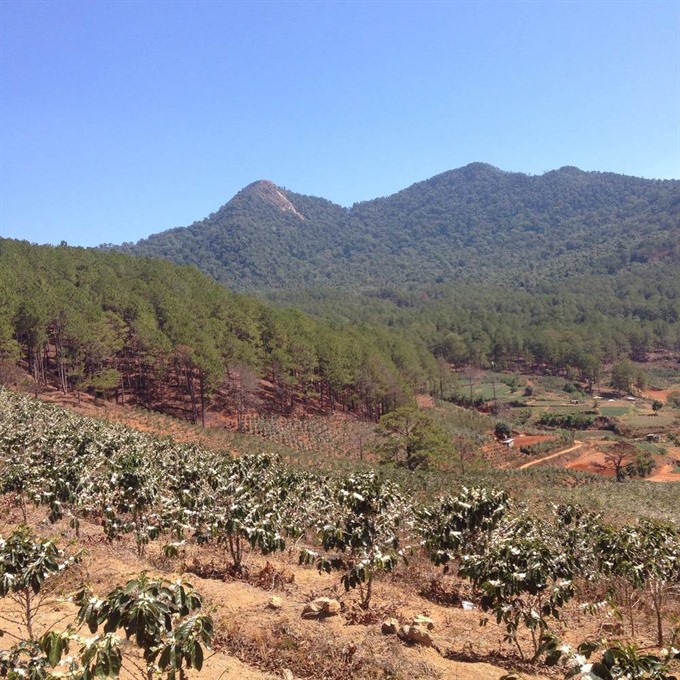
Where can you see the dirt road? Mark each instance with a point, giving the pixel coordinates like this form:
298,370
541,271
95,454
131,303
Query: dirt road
666,473
577,445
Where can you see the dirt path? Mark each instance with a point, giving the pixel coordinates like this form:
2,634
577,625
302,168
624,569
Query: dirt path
577,445
665,474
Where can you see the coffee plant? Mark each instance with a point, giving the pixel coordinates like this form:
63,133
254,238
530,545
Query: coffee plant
247,511
617,661
159,616
641,559
26,562
456,523
42,659
525,577
524,570
361,528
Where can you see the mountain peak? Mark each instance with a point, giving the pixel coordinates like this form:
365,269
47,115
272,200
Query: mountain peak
480,167
566,171
477,170
260,185
450,227
266,191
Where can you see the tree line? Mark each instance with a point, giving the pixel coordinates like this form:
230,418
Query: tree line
474,223
168,337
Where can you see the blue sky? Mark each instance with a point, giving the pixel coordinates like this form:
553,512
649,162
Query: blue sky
122,119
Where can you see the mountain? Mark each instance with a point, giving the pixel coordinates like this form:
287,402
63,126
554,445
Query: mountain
568,271
473,223
265,237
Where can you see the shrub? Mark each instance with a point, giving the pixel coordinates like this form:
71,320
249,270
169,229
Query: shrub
502,430
454,523
361,526
567,421
525,576
160,616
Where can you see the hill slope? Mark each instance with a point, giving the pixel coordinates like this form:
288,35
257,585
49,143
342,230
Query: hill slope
476,222
170,338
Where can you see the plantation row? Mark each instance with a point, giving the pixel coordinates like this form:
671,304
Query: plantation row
313,434
525,569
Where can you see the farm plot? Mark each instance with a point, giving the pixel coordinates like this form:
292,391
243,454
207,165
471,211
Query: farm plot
559,405
347,439
648,420
525,570
461,420
615,411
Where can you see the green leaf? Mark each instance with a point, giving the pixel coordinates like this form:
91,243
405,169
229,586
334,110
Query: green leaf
53,645
164,661
601,671
197,656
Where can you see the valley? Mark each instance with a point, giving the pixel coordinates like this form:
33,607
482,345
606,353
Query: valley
453,412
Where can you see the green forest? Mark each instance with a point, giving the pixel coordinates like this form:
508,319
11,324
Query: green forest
356,309
574,325
476,223
169,337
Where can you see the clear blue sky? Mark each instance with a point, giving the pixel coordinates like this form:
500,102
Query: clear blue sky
122,119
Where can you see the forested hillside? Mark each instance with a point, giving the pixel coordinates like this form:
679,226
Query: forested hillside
572,324
170,338
475,223
565,271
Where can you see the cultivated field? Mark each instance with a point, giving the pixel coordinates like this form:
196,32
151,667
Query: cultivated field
257,607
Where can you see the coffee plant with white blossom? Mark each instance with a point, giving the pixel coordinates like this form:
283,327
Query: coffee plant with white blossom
524,570
360,532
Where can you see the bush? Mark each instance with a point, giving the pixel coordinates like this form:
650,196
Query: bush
567,421
641,466
520,416
502,430
512,382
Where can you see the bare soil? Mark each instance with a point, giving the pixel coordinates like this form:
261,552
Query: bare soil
661,395
528,439
425,401
670,470
257,642
593,460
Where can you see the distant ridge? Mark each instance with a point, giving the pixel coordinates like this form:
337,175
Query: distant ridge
474,222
